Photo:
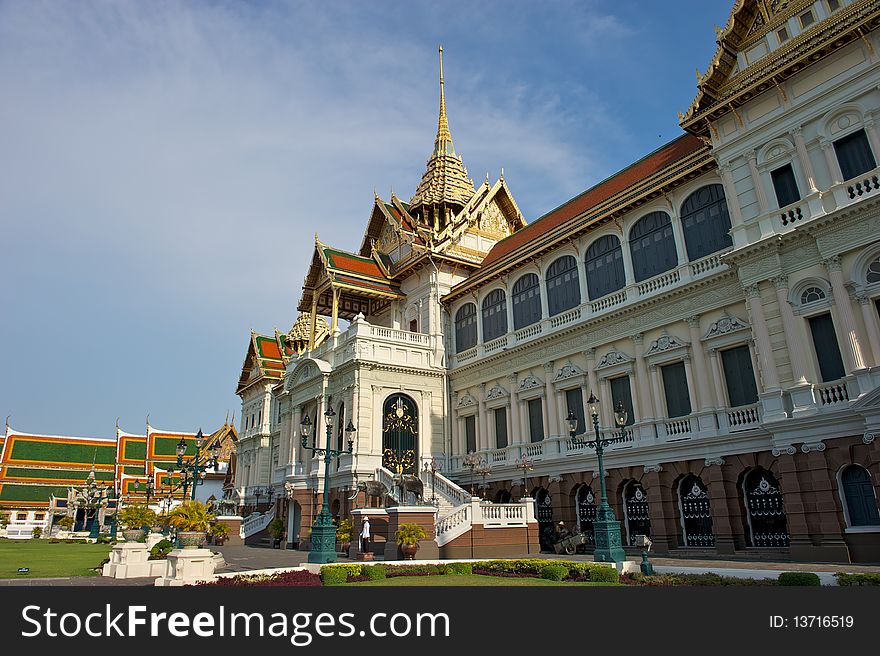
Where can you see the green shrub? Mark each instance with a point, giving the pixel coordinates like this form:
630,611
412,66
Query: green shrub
336,574
602,574
37,532
66,523
857,579
456,568
412,569
798,578
161,549
373,572
554,572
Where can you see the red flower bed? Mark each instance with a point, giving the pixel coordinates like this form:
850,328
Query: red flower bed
297,578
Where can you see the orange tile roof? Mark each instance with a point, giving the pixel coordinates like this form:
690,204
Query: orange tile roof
352,264
644,168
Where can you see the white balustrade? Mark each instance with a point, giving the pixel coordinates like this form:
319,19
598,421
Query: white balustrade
744,417
535,450
707,264
529,332
464,356
677,427
834,393
256,522
565,317
607,302
495,344
659,282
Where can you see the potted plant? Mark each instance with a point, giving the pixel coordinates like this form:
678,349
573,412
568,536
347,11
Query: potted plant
276,529
343,534
219,532
192,519
66,523
134,518
407,537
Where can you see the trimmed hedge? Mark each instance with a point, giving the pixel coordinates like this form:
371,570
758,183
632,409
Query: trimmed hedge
456,568
554,572
705,579
373,572
799,578
857,579
337,574
534,567
294,578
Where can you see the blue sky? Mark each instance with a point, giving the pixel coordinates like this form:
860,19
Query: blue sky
164,165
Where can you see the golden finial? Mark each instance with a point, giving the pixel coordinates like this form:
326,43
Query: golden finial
699,76
443,143
717,31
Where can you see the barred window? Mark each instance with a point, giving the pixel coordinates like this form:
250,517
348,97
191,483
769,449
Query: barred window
466,328
526,301
563,286
706,222
605,273
652,246
494,315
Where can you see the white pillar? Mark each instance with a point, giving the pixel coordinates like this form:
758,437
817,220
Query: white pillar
700,371
456,441
730,193
804,157
689,375
658,390
483,435
769,375
717,373
834,171
678,237
628,271
758,184
792,338
871,131
642,382
872,325
515,436
605,403
552,411
845,311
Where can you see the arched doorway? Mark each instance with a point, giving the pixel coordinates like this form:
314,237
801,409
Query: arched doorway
765,512
636,512
586,513
696,515
400,434
502,496
544,515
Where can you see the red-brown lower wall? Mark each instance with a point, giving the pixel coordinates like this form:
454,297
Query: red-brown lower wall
494,543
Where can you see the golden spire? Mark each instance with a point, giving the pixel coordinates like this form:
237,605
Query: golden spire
443,143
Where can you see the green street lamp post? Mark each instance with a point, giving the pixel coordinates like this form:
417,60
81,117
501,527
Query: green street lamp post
606,528
472,461
323,542
194,466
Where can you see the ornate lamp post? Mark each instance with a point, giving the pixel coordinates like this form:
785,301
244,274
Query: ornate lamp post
471,461
526,465
323,547
194,466
606,528
148,487
433,466
483,470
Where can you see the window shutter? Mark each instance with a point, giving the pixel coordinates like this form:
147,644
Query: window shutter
536,421
500,428
740,376
621,393
827,350
678,402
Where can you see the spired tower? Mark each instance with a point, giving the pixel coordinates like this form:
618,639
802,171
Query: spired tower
445,187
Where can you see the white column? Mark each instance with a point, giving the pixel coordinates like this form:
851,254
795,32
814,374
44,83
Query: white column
872,325
769,375
804,157
456,441
761,195
508,308
845,311
551,411
789,326
545,310
605,403
483,435
689,375
296,449
834,171
515,436
643,385
700,371
628,271
730,193
658,390
582,278
680,248
717,373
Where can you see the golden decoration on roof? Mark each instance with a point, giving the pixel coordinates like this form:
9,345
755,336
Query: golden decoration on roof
298,335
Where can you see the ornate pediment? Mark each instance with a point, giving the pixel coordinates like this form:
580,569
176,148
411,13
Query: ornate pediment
665,342
725,325
529,382
568,371
496,392
612,358
466,400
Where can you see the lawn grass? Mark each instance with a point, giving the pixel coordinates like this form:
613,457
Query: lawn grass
50,560
458,580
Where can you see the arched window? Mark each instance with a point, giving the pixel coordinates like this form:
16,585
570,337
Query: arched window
766,514
636,511
563,287
858,493
872,275
812,295
706,222
604,262
696,516
652,246
494,315
466,328
526,301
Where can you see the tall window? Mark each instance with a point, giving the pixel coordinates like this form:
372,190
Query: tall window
858,492
400,434
767,523
621,393
827,350
678,401
604,262
636,511
500,428
536,421
652,246
466,328
563,288
494,315
526,301
574,401
706,222
470,433
854,155
696,514
740,376
785,185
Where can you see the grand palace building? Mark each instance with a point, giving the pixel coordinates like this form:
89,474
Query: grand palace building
723,290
